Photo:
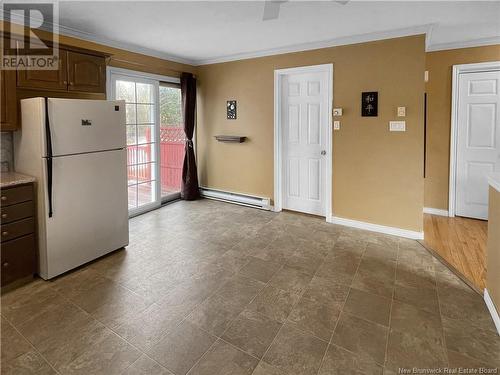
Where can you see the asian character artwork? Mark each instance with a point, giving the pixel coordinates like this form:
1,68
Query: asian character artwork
369,104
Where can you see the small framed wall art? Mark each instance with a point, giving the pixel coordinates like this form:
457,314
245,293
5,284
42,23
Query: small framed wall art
231,109
369,104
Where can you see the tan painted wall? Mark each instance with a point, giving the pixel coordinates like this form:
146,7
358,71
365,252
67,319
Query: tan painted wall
440,64
493,254
378,175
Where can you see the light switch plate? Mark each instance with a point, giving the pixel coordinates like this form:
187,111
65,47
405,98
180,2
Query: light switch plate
337,111
336,125
401,111
397,126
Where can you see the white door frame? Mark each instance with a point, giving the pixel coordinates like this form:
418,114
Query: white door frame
278,132
457,70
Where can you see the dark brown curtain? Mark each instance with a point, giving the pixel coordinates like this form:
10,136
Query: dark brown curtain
189,189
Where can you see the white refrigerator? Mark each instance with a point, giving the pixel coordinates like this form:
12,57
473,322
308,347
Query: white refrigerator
76,149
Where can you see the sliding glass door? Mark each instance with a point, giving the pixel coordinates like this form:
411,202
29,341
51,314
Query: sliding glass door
155,137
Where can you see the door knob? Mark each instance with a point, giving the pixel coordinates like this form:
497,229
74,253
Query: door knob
323,152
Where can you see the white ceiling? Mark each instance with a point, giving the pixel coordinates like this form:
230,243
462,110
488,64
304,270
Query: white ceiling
209,31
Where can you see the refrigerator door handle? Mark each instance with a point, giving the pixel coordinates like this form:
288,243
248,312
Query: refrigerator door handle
49,183
48,146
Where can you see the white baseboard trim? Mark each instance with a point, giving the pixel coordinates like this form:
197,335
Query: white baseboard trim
435,211
236,198
377,228
492,309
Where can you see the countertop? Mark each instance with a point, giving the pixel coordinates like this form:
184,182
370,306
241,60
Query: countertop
12,178
494,180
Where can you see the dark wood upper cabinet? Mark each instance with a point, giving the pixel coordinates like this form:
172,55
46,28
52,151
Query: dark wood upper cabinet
45,79
8,107
86,73
78,72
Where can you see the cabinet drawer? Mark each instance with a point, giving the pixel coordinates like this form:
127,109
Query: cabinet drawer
18,259
16,212
16,195
17,229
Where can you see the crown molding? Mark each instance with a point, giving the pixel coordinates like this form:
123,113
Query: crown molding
67,31
428,35
90,37
354,39
464,44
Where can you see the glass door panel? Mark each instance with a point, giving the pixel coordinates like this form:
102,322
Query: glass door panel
172,140
141,100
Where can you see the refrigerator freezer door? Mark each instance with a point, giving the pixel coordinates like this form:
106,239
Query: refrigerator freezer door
90,213
79,126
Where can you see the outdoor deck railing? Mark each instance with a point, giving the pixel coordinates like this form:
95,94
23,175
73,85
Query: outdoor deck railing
172,140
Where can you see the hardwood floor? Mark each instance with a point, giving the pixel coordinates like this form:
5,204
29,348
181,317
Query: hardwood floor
461,242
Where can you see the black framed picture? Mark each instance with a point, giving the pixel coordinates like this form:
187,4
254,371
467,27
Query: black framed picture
369,104
231,109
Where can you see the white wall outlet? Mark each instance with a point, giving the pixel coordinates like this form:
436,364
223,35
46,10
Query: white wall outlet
337,111
401,111
336,125
397,126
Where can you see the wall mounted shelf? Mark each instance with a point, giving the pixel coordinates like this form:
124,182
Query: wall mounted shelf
230,138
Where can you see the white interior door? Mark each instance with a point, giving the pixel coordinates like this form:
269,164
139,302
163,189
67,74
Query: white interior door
478,141
304,114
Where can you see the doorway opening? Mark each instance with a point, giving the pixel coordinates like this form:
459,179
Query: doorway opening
475,137
458,237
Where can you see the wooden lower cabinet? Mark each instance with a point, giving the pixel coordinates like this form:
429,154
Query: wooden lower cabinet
18,259
17,233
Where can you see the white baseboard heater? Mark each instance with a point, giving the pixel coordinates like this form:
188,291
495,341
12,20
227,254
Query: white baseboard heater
236,198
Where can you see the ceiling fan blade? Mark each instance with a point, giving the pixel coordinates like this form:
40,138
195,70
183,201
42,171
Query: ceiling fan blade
272,9
342,2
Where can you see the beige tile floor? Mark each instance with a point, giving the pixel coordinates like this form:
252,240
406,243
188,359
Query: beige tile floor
217,289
